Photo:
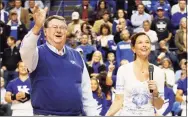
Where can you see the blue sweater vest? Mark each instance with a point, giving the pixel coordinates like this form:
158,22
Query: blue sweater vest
56,83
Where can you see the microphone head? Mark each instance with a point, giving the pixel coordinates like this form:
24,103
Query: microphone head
151,68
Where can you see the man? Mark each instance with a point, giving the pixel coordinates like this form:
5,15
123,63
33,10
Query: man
18,93
138,17
162,26
11,57
23,14
123,51
75,26
15,28
98,23
59,78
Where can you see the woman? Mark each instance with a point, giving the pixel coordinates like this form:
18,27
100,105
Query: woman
105,42
99,96
181,40
101,7
133,97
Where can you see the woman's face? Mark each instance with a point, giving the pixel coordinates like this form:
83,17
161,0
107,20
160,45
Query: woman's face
183,23
85,30
142,46
166,64
120,13
97,57
104,31
102,5
94,85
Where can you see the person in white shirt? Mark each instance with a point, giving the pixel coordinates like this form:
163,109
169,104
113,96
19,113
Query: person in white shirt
3,91
133,86
138,17
39,2
179,7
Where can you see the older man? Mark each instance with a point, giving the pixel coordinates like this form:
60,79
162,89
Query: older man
59,78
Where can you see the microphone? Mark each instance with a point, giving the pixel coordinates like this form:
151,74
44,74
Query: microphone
151,69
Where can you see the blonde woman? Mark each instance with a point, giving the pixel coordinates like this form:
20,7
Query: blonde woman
181,39
96,63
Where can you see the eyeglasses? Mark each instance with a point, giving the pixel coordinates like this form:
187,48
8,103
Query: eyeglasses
55,27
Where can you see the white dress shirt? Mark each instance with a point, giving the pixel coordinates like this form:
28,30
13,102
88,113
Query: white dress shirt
39,2
29,54
176,8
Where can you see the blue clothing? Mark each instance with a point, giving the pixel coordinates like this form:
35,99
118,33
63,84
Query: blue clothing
124,52
107,63
169,94
102,103
87,50
182,85
128,22
96,66
41,39
62,77
16,85
175,20
14,30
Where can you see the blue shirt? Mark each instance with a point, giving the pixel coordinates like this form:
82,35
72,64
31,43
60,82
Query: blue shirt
14,30
182,85
16,85
124,52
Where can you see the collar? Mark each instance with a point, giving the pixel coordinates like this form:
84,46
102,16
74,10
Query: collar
9,22
62,51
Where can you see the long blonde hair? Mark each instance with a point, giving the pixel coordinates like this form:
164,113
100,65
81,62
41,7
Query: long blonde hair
180,25
101,59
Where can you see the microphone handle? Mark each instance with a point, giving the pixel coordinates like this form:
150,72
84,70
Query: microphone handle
151,78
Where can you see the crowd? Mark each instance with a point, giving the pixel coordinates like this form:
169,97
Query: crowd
101,32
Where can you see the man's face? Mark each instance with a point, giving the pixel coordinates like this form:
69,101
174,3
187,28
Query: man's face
84,39
18,3
56,32
106,17
1,6
140,9
125,35
160,13
2,82
31,3
122,22
182,4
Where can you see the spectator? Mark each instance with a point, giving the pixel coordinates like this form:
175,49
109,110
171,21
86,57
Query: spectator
98,23
99,96
138,17
30,8
105,42
166,6
96,64
124,51
88,49
163,52
11,57
181,95
15,28
111,60
169,73
10,6
162,26
101,7
4,14
3,39
183,68
38,2
154,39
18,93
3,91
74,28
120,14
86,11
181,39
179,7
178,11
23,14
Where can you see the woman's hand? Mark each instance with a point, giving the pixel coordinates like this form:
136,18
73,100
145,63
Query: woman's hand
152,86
